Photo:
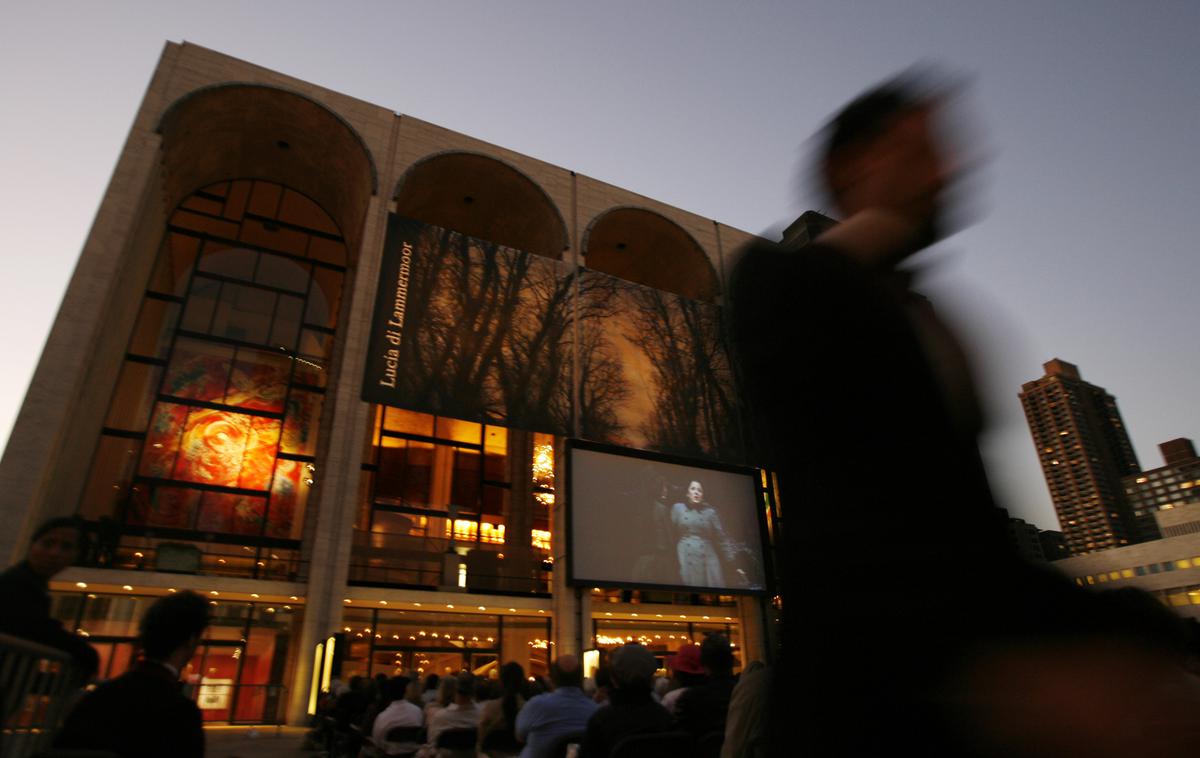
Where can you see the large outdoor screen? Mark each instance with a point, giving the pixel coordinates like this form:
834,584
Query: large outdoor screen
641,519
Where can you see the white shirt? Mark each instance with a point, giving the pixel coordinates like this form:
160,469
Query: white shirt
399,713
453,716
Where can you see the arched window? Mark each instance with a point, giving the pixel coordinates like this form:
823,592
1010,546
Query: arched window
211,433
641,246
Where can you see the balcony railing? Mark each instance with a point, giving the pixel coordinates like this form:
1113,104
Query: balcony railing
35,689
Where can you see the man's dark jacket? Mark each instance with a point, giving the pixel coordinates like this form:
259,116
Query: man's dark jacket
140,714
896,562
25,613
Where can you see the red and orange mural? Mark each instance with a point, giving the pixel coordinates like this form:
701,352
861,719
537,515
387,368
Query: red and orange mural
226,448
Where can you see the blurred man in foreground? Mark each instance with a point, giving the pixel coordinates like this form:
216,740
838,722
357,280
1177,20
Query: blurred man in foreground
903,600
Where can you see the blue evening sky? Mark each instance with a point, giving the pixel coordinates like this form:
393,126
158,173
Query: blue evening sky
1085,243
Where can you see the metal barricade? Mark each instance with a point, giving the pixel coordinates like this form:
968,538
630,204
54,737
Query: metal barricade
35,689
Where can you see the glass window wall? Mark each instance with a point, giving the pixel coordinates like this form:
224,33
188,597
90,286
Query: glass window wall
211,434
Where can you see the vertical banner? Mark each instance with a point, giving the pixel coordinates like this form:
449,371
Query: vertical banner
470,329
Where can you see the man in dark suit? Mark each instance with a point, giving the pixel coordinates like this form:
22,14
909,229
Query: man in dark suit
143,713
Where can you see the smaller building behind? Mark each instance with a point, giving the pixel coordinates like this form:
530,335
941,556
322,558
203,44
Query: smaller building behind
1168,568
1173,484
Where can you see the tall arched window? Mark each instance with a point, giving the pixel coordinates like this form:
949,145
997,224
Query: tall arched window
211,433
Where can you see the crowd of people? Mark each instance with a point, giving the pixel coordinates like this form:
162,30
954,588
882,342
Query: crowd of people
459,715
464,715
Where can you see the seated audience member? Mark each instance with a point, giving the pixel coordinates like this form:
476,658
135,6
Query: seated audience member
461,714
398,713
603,684
377,704
430,693
25,594
349,712
414,692
350,706
143,713
630,710
499,715
447,689
662,685
547,718
702,708
686,671
483,690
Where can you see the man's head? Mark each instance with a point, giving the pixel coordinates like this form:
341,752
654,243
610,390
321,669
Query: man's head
686,660
881,151
465,687
566,672
54,546
172,626
396,688
716,655
633,667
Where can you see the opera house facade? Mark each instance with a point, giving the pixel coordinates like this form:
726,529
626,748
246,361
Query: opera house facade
319,361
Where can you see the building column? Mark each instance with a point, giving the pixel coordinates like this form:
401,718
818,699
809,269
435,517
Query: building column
329,537
751,615
518,566
572,609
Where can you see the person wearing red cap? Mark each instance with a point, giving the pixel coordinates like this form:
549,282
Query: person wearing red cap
686,671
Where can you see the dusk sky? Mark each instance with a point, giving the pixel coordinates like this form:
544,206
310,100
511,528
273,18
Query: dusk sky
1084,247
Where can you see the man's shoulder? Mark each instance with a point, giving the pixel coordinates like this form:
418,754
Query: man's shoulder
603,712
401,706
136,702
19,578
771,277
561,699
400,711
762,256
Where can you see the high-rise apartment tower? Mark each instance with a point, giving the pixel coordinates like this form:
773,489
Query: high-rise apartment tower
1084,450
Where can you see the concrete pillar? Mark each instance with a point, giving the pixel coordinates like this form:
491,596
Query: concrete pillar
517,566
572,628
329,535
750,616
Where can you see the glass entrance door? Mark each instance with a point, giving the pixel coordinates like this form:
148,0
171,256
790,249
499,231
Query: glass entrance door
212,676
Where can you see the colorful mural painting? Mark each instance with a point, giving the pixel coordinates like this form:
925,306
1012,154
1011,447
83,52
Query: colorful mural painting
219,402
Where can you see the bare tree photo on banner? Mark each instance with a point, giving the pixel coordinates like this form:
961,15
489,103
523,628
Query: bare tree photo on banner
677,385
471,329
